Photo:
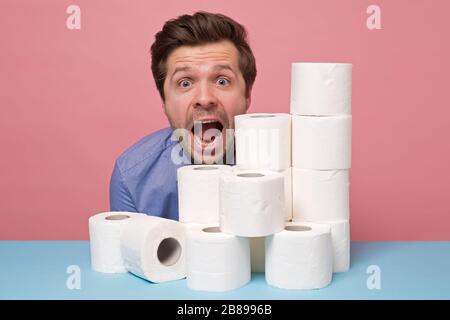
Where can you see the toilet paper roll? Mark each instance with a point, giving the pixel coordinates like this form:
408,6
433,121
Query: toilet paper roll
300,257
287,175
340,240
258,253
321,143
252,204
321,88
263,141
105,230
198,193
216,261
153,248
320,195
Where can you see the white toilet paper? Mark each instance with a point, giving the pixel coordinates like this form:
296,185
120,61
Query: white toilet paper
287,174
320,195
153,248
340,239
198,193
216,261
258,253
252,204
263,141
105,230
300,257
321,88
321,143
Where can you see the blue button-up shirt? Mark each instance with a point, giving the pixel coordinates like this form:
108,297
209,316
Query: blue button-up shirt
145,177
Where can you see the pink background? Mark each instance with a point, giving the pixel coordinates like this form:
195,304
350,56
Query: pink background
73,100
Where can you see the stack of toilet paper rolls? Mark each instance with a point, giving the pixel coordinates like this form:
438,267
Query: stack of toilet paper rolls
321,150
263,142
283,209
252,207
215,261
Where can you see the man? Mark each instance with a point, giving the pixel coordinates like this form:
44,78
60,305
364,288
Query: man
204,70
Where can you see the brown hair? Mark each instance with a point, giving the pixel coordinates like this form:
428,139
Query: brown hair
201,28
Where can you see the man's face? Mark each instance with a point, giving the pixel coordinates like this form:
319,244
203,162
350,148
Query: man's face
204,89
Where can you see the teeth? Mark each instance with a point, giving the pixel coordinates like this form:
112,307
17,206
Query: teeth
207,121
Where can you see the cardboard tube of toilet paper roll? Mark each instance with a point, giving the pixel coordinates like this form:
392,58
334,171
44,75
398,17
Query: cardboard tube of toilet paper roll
153,248
287,175
263,141
321,143
300,257
321,88
198,193
216,261
252,204
105,230
320,195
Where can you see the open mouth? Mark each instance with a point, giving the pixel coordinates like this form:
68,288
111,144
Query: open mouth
205,132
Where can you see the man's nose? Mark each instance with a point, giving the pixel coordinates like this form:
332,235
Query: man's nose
205,97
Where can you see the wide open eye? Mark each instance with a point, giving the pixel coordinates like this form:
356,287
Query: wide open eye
222,82
184,83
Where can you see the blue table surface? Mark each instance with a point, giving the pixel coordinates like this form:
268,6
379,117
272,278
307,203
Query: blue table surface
38,270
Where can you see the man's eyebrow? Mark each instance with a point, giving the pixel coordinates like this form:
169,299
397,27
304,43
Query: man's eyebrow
179,69
215,68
